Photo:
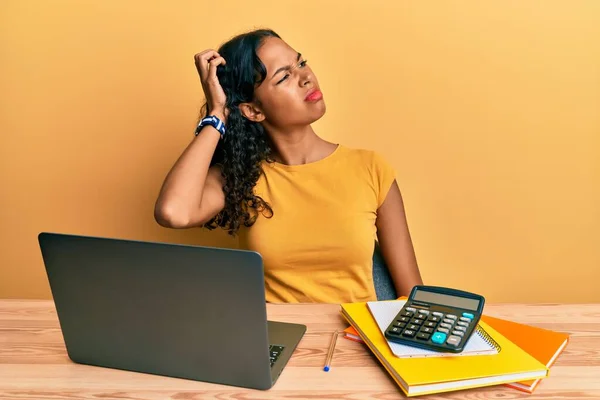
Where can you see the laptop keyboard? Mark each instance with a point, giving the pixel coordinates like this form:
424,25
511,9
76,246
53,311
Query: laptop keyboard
274,352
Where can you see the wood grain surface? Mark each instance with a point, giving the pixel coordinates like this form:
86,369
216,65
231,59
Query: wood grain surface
34,363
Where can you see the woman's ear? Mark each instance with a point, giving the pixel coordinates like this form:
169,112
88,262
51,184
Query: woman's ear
251,112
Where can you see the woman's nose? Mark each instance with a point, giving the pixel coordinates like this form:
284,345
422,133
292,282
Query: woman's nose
305,78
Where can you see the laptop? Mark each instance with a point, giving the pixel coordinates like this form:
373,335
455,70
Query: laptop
176,310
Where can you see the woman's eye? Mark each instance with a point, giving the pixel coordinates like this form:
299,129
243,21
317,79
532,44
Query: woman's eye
284,78
301,65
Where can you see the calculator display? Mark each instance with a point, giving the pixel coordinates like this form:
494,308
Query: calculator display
445,299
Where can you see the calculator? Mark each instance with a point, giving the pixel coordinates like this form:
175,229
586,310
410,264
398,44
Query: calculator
436,318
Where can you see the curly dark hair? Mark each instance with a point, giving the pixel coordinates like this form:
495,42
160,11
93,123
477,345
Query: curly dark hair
245,145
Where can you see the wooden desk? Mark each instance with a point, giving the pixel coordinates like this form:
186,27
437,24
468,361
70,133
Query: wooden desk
34,362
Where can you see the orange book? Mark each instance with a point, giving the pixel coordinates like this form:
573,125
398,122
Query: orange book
351,334
542,344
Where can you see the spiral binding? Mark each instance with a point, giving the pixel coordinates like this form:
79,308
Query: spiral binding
488,339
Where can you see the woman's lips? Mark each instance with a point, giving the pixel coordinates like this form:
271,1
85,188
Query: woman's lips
315,95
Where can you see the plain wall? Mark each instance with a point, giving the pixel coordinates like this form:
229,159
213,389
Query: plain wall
489,111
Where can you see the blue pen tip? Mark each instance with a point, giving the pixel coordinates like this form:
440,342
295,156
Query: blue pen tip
326,369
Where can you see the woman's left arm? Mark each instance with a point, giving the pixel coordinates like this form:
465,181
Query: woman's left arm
396,244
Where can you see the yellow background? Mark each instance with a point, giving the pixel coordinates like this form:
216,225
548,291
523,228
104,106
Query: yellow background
489,111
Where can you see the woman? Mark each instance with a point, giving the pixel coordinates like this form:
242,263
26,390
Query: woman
257,168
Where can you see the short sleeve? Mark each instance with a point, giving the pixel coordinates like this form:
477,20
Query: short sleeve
383,175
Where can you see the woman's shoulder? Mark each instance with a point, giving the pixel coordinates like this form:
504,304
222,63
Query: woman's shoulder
363,156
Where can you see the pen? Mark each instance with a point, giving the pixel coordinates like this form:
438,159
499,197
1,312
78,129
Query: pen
331,350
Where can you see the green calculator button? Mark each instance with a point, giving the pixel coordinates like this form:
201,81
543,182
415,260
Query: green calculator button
438,338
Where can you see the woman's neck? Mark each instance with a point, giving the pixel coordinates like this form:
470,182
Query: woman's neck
301,146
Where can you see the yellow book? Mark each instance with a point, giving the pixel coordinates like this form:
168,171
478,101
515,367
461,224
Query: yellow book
420,376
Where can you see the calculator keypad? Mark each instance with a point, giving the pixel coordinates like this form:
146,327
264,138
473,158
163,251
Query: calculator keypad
435,327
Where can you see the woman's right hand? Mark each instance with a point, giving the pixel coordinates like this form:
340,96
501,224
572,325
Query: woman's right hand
206,64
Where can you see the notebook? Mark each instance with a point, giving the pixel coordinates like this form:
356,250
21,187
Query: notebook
427,375
384,312
544,345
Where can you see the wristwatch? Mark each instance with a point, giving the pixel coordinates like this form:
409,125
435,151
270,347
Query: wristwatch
212,121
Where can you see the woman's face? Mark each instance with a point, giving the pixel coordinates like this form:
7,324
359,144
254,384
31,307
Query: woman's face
290,95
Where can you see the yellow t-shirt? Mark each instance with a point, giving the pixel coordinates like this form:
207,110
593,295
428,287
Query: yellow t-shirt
318,245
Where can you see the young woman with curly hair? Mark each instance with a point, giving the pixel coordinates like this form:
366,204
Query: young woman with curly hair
313,209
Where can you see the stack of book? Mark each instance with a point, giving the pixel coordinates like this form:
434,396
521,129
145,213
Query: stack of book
499,352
